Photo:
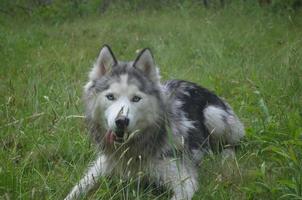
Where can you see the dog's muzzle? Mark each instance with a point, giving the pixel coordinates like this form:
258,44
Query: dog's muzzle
121,123
120,132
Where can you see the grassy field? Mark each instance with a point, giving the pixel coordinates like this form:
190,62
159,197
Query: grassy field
248,55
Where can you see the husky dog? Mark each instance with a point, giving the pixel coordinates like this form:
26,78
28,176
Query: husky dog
144,128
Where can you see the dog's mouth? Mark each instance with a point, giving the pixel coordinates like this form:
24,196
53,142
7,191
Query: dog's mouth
119,136
115,136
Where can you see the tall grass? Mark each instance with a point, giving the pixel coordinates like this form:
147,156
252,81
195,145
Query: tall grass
249,55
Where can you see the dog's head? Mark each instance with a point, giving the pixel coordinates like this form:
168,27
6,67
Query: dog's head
123,97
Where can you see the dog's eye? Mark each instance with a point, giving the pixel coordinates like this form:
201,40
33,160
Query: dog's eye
110,97
136,99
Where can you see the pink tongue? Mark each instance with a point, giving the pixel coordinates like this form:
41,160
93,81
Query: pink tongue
110,137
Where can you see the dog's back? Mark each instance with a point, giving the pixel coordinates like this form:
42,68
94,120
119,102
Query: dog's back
199,118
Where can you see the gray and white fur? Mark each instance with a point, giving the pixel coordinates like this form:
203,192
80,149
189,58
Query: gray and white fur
146,128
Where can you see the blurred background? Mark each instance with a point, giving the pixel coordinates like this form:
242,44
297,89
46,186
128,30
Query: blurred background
54,9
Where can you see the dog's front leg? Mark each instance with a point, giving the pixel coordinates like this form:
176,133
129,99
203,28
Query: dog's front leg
181,178
184,189
97,169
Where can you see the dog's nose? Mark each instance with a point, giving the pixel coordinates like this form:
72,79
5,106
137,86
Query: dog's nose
122,122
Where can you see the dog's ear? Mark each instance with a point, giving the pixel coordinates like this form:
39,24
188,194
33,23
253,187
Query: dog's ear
146,64
104,63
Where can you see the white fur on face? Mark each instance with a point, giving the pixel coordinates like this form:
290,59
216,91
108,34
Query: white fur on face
140,114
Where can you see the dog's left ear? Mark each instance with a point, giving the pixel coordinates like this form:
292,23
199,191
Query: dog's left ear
146,64
104,63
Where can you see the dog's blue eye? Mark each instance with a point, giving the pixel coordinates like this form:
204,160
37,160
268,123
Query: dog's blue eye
136,99
110,97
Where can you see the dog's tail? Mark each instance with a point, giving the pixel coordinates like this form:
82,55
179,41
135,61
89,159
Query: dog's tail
223,124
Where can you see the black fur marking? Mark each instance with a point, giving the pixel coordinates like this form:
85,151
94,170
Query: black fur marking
195,99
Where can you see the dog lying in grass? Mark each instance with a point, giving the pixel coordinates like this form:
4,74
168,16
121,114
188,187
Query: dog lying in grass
143,127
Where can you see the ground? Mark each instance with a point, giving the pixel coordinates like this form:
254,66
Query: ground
249,56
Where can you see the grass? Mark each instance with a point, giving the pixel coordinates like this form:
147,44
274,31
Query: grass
248,55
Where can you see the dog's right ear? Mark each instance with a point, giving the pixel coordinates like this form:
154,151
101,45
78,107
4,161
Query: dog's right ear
104,63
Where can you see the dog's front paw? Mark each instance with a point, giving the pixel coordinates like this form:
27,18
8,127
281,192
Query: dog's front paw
178,198
181,197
